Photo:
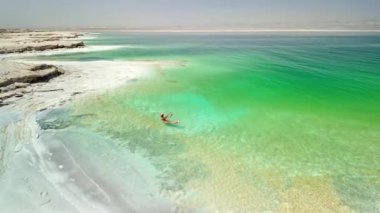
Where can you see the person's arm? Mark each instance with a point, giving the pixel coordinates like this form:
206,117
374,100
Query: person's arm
167,116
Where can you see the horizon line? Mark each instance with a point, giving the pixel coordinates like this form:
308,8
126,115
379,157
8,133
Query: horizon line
220,30
120,29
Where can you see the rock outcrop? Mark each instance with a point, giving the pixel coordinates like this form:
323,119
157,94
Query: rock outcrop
15,77
40,48
26,73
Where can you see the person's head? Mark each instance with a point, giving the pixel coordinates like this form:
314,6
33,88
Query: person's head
161,115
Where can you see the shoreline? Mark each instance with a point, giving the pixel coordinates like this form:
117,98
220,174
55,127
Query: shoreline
16,75
26,146
90,169
28,41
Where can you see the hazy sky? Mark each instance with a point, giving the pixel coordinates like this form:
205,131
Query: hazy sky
259,14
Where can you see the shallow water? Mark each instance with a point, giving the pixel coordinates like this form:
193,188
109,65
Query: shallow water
268,122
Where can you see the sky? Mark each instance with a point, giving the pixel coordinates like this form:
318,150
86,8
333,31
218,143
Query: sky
192,14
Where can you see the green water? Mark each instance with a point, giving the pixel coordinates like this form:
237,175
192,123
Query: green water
268,122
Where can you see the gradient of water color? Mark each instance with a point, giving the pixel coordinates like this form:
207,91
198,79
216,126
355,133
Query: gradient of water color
268,122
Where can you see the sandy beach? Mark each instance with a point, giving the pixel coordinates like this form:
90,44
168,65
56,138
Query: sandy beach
39,172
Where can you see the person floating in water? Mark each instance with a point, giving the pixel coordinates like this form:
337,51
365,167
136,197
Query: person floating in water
165,119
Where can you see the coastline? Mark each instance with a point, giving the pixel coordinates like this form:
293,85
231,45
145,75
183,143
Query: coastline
96,150
20,41
16,77
43,156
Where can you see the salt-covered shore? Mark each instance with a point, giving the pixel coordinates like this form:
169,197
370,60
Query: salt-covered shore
42,172
15,76
19,41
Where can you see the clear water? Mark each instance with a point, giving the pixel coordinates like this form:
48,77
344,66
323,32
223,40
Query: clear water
268,122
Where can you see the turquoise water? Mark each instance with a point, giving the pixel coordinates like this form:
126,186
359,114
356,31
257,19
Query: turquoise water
268,122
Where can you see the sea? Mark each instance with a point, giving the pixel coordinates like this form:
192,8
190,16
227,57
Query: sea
269,122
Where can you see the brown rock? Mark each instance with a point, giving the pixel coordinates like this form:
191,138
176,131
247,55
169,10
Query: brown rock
41,67
18,95
21,85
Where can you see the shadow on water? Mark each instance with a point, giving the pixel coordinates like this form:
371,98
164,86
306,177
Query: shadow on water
177,126
85,115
